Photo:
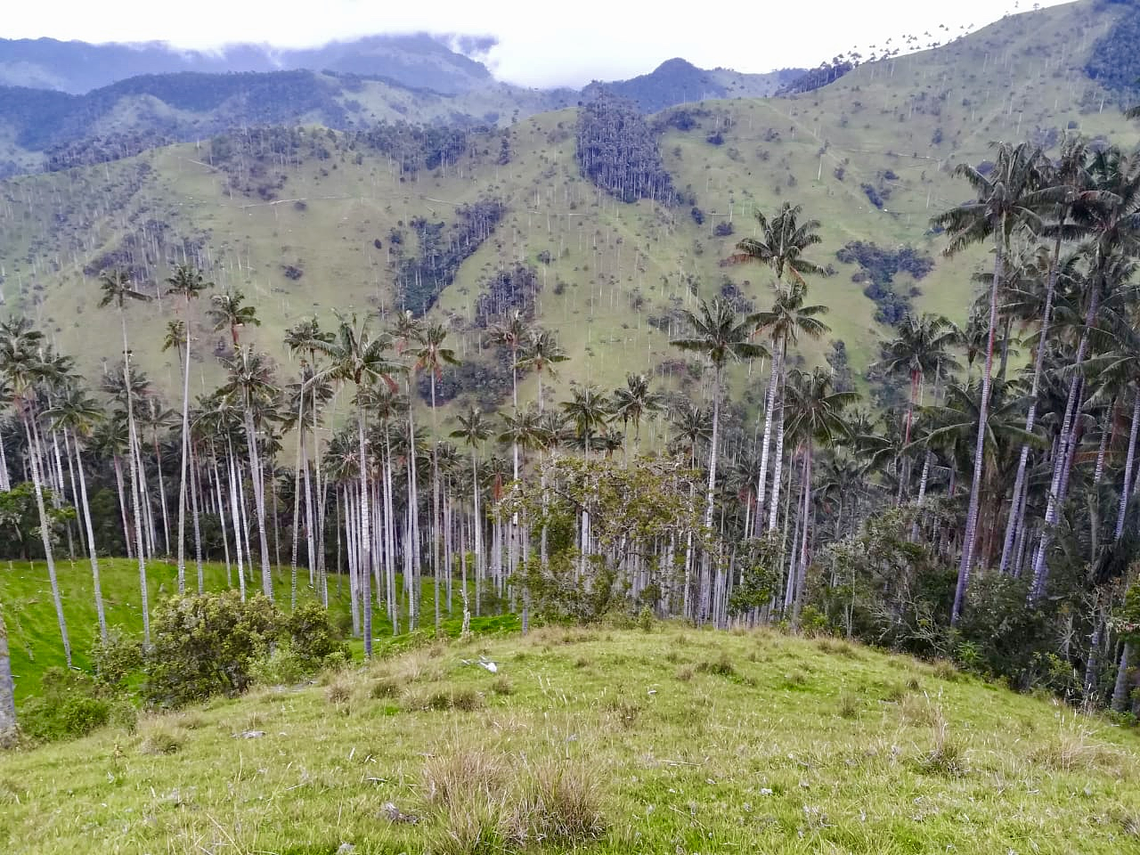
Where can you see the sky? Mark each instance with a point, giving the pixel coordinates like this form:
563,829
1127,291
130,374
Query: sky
539,44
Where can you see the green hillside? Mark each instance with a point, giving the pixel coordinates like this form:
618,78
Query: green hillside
612,274
595,740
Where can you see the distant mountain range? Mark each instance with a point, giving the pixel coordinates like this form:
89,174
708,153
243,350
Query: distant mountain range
65,104
421,61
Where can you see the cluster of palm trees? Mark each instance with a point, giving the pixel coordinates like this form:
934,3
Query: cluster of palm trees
1015,451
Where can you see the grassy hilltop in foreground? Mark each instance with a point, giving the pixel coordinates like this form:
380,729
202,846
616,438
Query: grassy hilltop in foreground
311,229
598,740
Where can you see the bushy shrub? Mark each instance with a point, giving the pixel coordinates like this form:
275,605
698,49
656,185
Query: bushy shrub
69,705
313,638
115,658
206,644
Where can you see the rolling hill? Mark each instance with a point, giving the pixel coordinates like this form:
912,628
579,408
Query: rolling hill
312,220
659,742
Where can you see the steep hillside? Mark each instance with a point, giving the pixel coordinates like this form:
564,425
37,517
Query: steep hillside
320,221
600,741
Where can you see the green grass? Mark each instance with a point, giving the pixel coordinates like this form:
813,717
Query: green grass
33,630
799,747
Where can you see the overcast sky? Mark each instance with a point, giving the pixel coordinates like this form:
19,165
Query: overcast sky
539,44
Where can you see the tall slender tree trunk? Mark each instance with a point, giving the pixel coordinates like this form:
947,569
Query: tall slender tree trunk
1120,690
710,495
1065,451
965,564
777,468
45,533
801,573
435,500
255,477
1125,488
769,408
136,482
297,496
365,537
7,687
86,505
185,454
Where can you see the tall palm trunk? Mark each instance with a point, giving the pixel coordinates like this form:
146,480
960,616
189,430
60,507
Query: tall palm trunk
86,505
297,497
235,516
185,454
365,536
706,563
769,412
435,499
1120,690
979,447
1066,449
7,688
255,477
45,532
136,483
777,469
1125,490
1019,492
801,573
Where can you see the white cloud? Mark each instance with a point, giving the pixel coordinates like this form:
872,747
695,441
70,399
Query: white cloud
538,44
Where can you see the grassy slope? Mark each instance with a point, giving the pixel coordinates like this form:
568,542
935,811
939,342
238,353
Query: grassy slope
1018,74
806,747
33,631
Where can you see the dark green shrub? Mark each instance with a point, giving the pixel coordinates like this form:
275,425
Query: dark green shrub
69,705
115,658
312,635
206,644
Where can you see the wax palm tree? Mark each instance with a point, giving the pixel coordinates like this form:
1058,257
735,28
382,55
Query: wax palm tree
1008,196
251,387
720,335
589,411
117,290
75,413
921,346
186,282
357,355
635,401
781,244
431,355
692,428
815,418
784,322
23,364
230,311
299,339
474,429
541,351
1109,215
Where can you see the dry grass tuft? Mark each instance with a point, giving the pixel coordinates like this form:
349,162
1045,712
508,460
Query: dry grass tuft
159,737
482,808
685,673
721,666
947,756
849,705
1075,749
339,692
502,685
556,804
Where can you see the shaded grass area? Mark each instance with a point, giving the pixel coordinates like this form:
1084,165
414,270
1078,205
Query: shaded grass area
33,630
595,740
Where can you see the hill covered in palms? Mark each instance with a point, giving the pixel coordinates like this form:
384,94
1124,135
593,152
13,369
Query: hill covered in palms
307,219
